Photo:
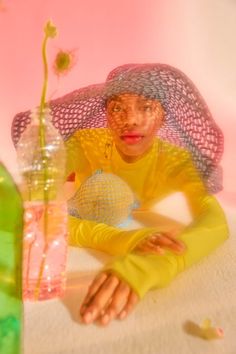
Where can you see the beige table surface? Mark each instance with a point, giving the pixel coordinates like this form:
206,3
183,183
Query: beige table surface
161,322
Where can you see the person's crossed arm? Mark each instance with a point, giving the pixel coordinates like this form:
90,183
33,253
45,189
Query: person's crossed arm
152,258
109,296
115,292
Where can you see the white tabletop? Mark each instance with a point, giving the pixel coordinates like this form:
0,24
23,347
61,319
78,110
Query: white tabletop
160,323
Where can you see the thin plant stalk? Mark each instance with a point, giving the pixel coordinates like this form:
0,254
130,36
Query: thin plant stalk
50,31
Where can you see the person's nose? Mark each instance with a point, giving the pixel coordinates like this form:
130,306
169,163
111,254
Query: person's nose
132,118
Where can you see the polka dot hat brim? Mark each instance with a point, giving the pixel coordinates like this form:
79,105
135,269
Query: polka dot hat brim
188,122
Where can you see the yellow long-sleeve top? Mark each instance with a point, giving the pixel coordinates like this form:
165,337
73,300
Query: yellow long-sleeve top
162,171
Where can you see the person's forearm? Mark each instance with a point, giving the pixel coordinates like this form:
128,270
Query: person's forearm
208,231
114,241
156,271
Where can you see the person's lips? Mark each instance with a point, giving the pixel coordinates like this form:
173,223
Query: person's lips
132,138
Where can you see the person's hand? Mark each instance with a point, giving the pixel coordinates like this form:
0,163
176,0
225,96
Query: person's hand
158,242
108,298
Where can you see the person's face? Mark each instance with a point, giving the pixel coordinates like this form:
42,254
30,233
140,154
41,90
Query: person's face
134,121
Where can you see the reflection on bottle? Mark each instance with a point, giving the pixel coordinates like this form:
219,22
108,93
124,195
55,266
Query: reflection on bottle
42,167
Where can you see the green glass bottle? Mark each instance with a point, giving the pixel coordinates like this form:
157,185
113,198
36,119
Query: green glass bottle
11,230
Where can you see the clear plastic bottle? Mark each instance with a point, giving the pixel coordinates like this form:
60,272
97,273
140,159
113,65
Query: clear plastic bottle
11,229
41,158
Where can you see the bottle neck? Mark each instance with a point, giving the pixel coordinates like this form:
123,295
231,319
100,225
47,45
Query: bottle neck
35,116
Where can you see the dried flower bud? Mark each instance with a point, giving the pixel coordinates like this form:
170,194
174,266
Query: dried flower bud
50,30
63,62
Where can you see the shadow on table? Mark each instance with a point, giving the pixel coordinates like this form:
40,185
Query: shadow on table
78,283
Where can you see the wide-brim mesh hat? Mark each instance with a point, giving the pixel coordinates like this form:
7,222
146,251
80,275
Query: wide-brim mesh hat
188,122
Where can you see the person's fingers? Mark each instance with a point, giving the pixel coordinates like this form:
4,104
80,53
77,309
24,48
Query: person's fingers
117,304
93,288
170,234
157,243
168,241
150,247
128,308
155,247
161,239
147,245
99,301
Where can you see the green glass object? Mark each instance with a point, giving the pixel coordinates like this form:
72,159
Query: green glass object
11,230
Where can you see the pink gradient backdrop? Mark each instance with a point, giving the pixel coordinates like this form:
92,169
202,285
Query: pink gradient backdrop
197,36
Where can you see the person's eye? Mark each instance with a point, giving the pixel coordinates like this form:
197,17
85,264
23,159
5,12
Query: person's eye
147,108
116,108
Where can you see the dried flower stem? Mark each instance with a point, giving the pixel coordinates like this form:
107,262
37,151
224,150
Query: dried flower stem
50,32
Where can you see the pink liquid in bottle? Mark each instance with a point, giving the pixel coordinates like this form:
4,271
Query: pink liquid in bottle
45,250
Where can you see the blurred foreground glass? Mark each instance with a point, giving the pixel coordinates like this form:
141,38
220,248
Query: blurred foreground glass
11,230
41,158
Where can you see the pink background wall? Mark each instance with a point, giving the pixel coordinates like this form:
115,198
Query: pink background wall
197,36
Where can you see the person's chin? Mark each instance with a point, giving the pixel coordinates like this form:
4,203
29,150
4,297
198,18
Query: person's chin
134,151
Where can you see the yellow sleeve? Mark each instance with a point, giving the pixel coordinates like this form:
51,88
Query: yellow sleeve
207,231
114,241
144,273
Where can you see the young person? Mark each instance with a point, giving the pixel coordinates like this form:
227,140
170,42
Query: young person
128,147
148,125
